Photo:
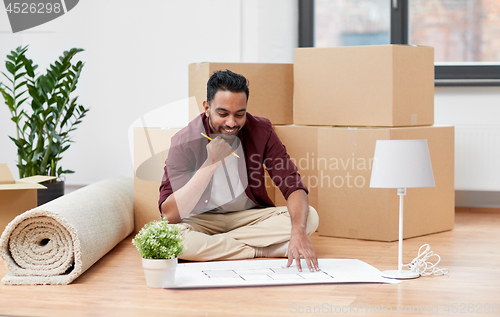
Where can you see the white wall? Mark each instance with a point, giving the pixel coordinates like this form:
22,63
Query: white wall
476,166
137,55
467,105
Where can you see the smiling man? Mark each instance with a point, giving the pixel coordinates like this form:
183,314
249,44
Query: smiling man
215,190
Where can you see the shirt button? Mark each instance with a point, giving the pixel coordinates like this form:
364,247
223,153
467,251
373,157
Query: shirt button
206,201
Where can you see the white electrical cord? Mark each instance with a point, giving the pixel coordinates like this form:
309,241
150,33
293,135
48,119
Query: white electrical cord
422,266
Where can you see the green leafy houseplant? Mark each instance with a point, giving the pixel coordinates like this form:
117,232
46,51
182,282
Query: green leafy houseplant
159,240
43,110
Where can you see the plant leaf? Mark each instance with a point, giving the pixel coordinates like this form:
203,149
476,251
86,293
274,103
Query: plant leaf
11,81
20,94
9,101
10,67
19,103
19,75
24,83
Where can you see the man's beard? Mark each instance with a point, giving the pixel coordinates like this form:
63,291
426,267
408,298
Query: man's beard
229,137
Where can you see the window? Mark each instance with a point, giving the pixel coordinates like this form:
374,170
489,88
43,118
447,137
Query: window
354,22
464,33
459,30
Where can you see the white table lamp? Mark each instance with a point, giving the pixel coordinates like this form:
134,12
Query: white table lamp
401,164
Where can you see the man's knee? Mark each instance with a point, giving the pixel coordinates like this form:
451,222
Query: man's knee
184,228
312,221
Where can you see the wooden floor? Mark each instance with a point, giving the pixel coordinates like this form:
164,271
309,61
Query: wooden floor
115,285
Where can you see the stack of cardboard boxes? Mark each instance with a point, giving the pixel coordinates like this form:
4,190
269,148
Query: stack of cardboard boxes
346,98
150,151
329,107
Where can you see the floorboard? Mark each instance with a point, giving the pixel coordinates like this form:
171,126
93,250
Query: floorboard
115,285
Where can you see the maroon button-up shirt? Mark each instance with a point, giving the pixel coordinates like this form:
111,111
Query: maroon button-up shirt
260,144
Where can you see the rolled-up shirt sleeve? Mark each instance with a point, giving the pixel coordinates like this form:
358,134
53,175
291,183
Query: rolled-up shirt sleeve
176,171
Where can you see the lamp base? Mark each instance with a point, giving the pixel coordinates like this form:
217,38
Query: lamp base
400,275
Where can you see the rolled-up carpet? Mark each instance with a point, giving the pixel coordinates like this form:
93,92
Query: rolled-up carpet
58,241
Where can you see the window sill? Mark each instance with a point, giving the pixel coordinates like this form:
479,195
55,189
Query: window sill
466,82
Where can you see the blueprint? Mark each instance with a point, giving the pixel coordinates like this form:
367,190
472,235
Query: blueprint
274,272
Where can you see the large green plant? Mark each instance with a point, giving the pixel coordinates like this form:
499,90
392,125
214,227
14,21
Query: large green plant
43,110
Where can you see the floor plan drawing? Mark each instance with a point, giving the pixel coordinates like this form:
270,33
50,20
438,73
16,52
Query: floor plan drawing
274,272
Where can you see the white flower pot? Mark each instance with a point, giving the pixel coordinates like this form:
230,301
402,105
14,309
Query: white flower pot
159,273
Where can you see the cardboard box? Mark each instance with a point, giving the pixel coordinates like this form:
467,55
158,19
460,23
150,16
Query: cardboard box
270,187
17,196
150,151
387,86
301,143
271,88
349,208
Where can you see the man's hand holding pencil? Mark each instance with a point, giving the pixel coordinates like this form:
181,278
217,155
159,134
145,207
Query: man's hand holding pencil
218,150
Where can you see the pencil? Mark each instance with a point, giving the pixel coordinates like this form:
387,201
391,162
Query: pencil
206,136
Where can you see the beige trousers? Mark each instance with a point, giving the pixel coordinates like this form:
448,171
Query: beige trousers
235,235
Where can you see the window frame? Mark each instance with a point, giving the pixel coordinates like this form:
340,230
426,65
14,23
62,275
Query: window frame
445,75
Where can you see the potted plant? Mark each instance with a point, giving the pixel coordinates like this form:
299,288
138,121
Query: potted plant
159,245
44,112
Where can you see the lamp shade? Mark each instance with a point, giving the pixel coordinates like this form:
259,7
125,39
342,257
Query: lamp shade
402,164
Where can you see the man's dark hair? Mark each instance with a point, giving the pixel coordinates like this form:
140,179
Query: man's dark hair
226,80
